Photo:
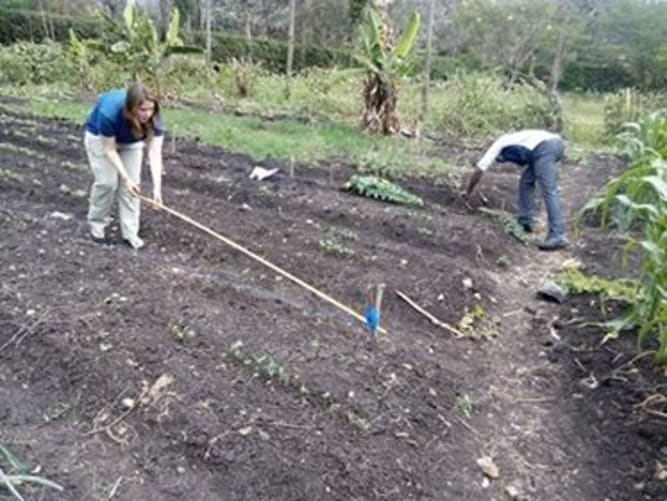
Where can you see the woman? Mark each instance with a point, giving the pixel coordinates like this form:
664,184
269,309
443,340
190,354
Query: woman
538,153
118,128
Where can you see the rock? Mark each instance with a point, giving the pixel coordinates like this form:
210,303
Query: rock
128,403
488,467
260,173
512,492
552,291
61,215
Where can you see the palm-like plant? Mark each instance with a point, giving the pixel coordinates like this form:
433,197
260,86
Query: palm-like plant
134,44
385,62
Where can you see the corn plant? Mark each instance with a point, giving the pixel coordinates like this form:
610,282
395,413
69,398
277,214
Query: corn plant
14,473
641,195
381,189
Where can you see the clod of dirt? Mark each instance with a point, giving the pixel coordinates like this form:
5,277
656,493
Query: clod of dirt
488,467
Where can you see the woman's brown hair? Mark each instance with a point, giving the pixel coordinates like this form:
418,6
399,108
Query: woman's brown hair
136,95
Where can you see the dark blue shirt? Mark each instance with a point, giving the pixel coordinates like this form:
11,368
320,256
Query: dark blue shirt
106,118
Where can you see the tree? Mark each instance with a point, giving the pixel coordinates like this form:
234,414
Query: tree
385,63
427,63
290,45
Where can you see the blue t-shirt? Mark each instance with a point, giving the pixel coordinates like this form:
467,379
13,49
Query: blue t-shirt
106,118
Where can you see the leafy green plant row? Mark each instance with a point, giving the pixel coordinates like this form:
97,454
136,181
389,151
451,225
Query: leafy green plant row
381,189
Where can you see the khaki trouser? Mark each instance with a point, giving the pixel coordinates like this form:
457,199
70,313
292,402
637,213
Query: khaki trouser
106,186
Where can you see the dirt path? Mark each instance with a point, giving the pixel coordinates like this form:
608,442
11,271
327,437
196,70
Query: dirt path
185,371
556,430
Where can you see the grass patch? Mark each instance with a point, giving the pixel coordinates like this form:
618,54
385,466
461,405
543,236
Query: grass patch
584,118
286,139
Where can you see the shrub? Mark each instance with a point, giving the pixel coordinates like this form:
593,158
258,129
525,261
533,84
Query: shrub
625,106
28,62
483,104
22,25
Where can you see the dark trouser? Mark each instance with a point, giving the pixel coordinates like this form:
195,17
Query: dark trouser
543,170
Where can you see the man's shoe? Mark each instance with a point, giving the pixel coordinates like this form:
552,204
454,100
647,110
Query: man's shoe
552,244
135,242
527,227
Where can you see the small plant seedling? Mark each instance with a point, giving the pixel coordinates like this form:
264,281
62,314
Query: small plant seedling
475,323
66,190
10,175
334,248
182,333
465,405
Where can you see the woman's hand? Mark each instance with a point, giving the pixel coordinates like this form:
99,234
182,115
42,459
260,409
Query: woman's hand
131,186
157,196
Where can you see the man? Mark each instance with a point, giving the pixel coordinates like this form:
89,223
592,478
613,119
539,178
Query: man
538,153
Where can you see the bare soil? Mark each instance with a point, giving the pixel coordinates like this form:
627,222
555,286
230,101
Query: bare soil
308,405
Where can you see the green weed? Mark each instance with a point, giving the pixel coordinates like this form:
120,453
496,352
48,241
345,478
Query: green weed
13,474
507,222
10,175
465,405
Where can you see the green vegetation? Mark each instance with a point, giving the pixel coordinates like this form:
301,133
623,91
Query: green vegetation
465,405
381,189
636,203
13,474
336,242
507,222
265,365
386,63
577,282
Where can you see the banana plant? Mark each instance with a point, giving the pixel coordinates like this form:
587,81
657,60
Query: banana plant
385,63
134,44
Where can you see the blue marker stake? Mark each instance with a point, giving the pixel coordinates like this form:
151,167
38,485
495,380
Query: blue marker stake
373,310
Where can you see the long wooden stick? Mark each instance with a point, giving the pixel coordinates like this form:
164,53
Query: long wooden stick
433,319
258,258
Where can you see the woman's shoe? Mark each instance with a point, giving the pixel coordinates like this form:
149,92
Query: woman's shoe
135,242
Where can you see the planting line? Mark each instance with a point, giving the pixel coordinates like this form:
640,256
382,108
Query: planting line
258,258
